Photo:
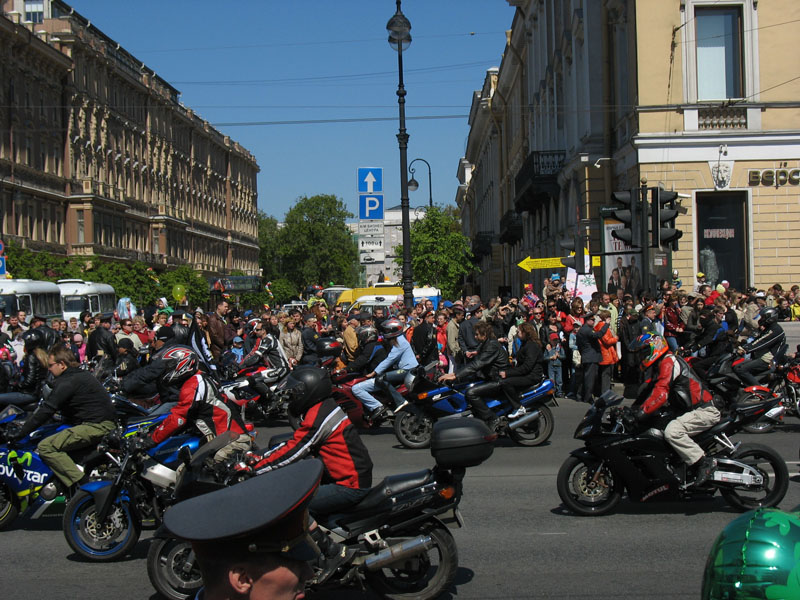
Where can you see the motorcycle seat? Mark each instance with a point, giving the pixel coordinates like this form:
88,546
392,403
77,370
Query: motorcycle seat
392,485
719,427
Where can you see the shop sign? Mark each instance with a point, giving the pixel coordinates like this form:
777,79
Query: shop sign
776,177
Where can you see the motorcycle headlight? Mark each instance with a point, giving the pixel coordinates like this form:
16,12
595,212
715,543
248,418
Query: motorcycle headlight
583,432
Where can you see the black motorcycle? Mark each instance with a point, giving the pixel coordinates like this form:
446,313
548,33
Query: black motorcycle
616,460
399,531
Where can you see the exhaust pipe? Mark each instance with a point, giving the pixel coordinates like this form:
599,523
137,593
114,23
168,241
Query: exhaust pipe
526,419
398,552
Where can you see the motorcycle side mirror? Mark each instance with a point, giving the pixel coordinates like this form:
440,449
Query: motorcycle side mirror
185,455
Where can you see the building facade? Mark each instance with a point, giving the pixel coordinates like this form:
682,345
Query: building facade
688,95
99,158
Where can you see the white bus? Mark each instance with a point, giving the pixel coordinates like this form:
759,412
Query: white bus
78,295
41,298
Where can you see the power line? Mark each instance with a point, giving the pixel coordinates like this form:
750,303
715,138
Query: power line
320,121
317,43
728,35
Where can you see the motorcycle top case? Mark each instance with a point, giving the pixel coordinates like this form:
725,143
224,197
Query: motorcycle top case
462,442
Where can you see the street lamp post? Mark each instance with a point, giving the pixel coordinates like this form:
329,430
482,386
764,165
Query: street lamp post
413,185
399,29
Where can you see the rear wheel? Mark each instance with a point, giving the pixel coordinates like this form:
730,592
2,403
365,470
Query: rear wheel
424,576
8,506
772,468
587,489
173,569
536,432
96,541
763,425
413,429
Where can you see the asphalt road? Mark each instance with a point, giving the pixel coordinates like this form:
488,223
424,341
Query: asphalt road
518,541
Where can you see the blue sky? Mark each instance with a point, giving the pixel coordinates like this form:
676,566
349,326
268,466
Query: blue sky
248,61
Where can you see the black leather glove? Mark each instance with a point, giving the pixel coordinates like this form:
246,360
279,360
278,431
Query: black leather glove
629,418
142,443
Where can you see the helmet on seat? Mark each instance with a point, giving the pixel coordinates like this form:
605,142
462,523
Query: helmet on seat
181,363
34,338
650,348
308,386
366,335
767,316
392,328
328,347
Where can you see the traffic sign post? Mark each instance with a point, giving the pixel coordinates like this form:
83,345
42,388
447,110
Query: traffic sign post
370,207
529,264
2,265
370,180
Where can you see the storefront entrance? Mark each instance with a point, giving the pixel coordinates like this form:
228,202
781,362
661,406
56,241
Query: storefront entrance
722,238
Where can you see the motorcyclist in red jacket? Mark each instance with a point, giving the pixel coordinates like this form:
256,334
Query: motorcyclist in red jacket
673,382
326,433
200,403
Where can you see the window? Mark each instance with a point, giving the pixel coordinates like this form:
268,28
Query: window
79,213
720,61
34,11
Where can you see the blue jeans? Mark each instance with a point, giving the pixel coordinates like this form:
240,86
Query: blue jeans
17,398
332,498
554,370
672,343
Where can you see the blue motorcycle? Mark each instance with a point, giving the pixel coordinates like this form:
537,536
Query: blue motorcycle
413,425
27,486
103,520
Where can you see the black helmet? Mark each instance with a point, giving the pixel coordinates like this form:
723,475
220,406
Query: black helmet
392,328
767,316
180,364
181,332
328,347
366,335
308,386
34,338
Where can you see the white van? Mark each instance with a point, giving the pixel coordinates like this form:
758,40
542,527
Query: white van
78,295
42,298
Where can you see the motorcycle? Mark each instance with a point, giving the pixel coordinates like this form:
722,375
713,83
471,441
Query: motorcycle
399,530
103,520
414,424
783,381
615,460
28,486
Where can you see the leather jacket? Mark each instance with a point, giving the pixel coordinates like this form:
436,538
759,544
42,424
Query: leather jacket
101,340
32,376
490,360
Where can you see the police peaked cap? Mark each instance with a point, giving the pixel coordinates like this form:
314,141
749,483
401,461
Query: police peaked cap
265,514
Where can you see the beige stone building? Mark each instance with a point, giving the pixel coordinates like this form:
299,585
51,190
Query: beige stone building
694,96
99,158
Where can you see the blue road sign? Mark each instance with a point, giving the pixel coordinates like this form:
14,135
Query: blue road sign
2,265
370,206
370,180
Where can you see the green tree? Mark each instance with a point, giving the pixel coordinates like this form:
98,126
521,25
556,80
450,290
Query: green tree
315,243
440,253
196,286
269,258
283,290
134,281
23,263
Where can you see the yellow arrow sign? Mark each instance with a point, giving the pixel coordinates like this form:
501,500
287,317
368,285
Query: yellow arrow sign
530,264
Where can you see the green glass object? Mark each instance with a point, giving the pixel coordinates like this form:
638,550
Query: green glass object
756,557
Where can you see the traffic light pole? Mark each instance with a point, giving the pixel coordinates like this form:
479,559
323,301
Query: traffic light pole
643,232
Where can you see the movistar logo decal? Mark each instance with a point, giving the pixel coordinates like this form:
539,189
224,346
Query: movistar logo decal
25,459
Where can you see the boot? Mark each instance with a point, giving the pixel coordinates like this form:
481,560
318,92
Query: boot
333,555
703,469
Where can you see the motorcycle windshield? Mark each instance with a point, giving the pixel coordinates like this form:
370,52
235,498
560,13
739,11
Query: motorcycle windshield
10,413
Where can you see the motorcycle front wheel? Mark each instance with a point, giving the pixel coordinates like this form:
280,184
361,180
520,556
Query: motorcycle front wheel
412,429
773,469
586,491
421,577
95,541
535,433
173,569
8,506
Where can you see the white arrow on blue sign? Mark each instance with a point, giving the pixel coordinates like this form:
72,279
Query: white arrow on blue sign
2,265
370,180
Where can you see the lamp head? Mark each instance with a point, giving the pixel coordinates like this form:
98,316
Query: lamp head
413,185
399,29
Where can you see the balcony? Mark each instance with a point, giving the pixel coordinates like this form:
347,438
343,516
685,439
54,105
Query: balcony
537,180
482,245
722,117
510,228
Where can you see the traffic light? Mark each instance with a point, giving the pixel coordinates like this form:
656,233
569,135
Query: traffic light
662,225
631,233
578,260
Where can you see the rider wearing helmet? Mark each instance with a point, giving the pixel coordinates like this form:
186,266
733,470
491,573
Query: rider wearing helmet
762,349
199,403
396,368
672,382
327,433
101,341
147,380
370,352
267,351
